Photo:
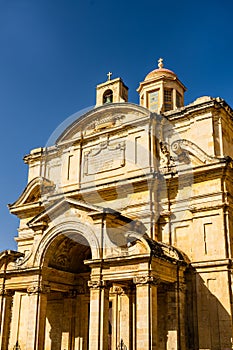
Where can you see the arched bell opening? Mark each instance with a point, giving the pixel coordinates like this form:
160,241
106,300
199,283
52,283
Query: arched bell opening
67,314
108,96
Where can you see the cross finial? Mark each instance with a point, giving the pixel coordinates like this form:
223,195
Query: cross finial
109,75
160,63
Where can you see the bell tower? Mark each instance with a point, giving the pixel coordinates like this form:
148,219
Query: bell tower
161,90
112,91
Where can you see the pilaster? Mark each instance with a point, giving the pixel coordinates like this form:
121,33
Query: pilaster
99,308
146,312
5,312
37,311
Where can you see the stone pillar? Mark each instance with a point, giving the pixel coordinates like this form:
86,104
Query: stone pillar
99,308
146,312
37,317
6,304
181,303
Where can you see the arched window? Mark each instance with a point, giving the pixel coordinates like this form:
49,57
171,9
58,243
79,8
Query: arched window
108,96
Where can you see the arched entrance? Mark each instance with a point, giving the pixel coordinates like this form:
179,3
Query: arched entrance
68,300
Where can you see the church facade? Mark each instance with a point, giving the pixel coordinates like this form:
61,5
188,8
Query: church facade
126,230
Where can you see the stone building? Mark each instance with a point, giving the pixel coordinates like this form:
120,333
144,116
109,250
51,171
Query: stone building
125,235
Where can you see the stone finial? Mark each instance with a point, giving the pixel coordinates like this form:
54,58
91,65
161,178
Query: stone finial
109,75
160,63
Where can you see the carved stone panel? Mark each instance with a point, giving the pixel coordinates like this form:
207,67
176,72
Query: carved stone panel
106,157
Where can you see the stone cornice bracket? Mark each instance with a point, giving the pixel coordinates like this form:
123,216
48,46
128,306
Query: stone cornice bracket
35,289
95,284
38,227
146,279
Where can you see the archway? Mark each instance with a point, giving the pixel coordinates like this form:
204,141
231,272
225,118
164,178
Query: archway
64,271
108,96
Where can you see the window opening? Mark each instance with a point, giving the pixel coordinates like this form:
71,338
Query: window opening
108,96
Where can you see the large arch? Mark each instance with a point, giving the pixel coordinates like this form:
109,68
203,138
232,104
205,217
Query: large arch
61,253
74,229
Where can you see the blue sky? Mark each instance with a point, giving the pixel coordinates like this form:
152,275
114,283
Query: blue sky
54,52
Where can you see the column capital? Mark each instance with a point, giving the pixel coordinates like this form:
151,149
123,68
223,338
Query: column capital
146,279
95,284
6,292
181,286
118,289
35,289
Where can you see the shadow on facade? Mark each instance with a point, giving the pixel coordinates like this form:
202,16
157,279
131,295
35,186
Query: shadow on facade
208,323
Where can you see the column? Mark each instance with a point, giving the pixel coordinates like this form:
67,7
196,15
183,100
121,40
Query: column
6,304
181,302
146,312
37,317
99,308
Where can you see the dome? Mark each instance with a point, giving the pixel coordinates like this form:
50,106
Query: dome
160,72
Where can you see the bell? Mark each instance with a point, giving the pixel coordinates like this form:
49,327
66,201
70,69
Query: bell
108,99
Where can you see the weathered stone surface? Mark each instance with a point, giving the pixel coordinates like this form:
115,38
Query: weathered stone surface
126,241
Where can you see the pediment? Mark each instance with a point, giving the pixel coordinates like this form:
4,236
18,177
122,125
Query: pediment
65,207
102,118
68,209
31,195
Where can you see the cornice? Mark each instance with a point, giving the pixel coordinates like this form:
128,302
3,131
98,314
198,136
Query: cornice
199,106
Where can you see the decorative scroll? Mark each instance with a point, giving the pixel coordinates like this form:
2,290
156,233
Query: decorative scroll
104,158
183,147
